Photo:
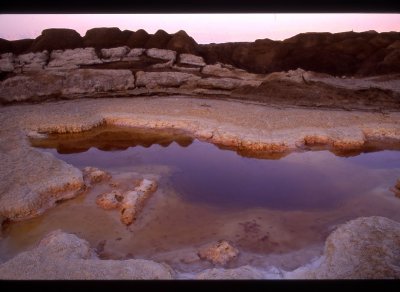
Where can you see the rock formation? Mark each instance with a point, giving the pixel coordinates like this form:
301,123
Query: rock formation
61,256
93,175
133,201
219,253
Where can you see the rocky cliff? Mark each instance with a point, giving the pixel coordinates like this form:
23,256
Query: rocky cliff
347,53
109,62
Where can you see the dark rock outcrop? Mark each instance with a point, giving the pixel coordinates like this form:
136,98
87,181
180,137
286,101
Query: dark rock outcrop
347,53
5,46
21,46
158,40
57,39
181,42
138,39
105,37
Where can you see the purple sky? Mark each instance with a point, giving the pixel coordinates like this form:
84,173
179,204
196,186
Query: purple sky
204,28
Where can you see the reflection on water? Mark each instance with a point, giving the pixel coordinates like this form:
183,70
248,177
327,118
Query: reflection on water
264,206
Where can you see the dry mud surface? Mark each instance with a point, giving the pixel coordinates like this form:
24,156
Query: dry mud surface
33,181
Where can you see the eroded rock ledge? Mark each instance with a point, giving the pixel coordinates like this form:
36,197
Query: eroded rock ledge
122,71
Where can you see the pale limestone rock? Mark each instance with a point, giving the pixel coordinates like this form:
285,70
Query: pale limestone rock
190,59
299,76
161,54
134,54
162,65
220,252
93,175
364,248
186,69
110,200
134,201
72,59
245,272
226,83
7,62
114,54
163,79
96,80
28,189
32,61
65,256
226,71
54,83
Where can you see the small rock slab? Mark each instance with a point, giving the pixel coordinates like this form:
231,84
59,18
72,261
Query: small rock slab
220,252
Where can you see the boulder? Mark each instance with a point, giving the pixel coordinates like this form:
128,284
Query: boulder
158,40
71,59
190,59
167,55
32,61
93,175
138,39
109,200
181,42
164,79
57,39
114,54
226,83
7,62
220,252
364,248
134,54
105,37
133,201
61,256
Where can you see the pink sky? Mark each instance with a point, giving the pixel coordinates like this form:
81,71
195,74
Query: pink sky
204,28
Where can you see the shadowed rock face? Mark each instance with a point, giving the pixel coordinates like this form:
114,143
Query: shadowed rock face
105,37
159,40
181,42
5,46
347,53
57,39
21,46
138,39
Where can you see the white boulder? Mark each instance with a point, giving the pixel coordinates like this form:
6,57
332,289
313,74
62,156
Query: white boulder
162,54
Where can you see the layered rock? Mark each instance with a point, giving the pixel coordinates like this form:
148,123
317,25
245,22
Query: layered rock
64,83
164,79
190,59
167,55
61,256
114,54
72,59
31,61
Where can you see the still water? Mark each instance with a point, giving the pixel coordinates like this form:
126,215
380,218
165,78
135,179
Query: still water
266,205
